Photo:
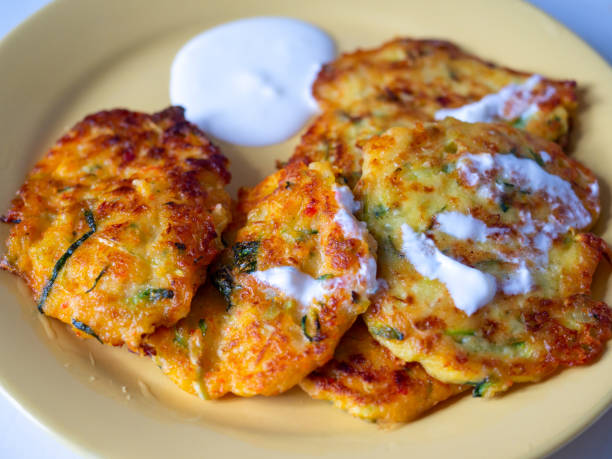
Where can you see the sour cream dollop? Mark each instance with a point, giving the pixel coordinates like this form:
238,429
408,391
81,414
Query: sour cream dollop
249,81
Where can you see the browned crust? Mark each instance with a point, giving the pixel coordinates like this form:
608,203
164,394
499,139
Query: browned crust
150,180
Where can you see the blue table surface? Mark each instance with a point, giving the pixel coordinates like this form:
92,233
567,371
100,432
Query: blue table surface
22,437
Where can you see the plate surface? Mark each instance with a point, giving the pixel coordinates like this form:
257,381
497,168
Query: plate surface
74,58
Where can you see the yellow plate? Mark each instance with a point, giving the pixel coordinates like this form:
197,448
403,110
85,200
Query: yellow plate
78,57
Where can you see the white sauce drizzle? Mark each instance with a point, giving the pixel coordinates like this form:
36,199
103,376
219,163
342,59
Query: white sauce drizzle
511,102
545,156
594,189
469,288
249,81
304,288
533,233
295,284
518,282
355,229
528,175
483,170
344,216
462,226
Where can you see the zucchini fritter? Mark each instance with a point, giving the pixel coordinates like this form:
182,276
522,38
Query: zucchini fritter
429,75
296,277
479,238
368,91
367,380
114,228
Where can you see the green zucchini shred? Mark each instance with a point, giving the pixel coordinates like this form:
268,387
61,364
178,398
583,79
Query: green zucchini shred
313,338
504,204
89,218
489,264
379,211
454,333
519,123
202,326
59,264
85,328
536,157
480,387
224,282
155,294
98,277
304,234
179,338
245,256
504,183
387,332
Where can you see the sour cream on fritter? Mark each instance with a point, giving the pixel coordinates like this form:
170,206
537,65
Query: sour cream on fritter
248,82
511,102
306,289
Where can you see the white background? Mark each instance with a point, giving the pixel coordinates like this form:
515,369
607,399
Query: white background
21,437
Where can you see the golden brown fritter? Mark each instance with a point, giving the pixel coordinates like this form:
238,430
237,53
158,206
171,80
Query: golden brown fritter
115,226
428,75
367,380
479,231
298,274
368,91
